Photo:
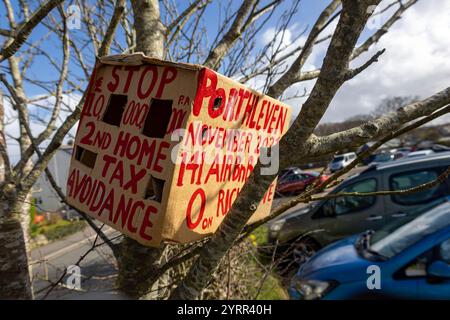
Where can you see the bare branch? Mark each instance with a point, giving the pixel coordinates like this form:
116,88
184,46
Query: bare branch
306,196
194,6
439,180
321,23
310,75
235,31
383,30
119,8
25,30
88,219
378,127
5,166
354,72
351,23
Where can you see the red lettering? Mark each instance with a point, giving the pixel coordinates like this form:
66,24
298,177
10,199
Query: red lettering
193,224
169,74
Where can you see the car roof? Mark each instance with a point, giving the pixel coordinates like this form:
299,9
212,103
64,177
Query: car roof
422,152
344,154
408,161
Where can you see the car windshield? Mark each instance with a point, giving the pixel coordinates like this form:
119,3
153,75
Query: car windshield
338,158
313,173
382,157
395,238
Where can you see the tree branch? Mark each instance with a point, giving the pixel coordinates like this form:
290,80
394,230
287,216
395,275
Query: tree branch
150,31
306,197
383,30
235,31
194,6
378,127
310,75
25,30
119,8
321,23
354,72
351,23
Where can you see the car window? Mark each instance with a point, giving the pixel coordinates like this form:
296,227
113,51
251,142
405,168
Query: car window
344,205
413,179
418,267
444,251
412,232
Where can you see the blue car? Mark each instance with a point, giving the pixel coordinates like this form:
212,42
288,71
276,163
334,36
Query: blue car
405,260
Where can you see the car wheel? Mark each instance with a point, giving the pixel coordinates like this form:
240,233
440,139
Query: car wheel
303,250
295,255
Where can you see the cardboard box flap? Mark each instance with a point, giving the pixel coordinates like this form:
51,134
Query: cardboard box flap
139,58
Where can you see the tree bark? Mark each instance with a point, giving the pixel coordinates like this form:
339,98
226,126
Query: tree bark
15,275
334,70
15,272
136,260
150,30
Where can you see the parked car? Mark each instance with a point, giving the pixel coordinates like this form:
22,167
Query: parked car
404,149
420,153
304,231
341,161
382,157
286,173
439,148
298,182
70,214
400,154
412,259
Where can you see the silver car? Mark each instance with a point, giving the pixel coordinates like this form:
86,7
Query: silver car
341,161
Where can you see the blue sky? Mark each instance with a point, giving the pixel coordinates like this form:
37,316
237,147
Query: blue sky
40,69
415,62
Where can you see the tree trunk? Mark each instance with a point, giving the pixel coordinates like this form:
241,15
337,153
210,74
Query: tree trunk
136,260
335,66
15,273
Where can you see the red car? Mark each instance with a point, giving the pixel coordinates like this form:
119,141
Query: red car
296,183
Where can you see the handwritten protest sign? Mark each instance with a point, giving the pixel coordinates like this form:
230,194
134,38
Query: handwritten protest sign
163,149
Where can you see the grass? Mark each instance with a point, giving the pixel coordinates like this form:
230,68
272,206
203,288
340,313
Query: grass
259,236
57,230
271,288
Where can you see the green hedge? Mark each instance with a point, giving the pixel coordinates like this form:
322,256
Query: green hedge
57,230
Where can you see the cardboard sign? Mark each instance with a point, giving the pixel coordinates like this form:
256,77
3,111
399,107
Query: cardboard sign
163,149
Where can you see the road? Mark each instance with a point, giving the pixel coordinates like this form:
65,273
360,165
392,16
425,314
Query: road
98,270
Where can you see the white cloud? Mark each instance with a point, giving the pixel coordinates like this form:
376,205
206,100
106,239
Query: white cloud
12,128
416,62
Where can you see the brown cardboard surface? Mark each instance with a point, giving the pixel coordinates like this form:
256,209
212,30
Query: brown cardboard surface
127,172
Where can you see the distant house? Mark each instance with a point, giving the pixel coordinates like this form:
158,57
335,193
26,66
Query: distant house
47,199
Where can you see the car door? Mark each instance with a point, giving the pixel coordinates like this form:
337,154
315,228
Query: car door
436,288
287,184
354,214
401,205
